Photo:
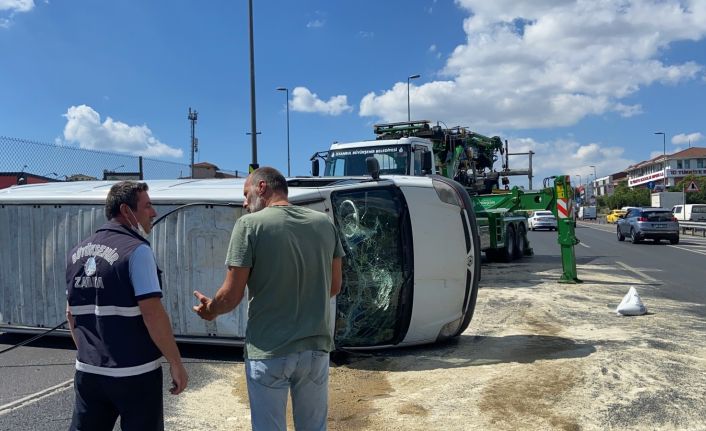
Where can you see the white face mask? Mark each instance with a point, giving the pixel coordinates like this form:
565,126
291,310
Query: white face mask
137,226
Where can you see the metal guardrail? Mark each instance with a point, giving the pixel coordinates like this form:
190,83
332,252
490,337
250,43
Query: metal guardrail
693,226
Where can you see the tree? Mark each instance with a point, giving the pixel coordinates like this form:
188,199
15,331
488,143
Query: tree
624,196
692,197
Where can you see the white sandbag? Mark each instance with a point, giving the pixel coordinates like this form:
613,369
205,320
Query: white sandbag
631,305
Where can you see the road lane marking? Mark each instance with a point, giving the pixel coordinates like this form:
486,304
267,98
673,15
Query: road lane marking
29,399
597,227
638,272
584,245
696,249
688,249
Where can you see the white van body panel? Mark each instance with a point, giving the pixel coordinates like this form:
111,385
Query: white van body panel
666,200
690,212
587,213
41,223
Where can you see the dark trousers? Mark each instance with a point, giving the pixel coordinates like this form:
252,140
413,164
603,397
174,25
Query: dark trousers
101,399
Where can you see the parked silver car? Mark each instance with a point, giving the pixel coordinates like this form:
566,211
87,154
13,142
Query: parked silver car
648,223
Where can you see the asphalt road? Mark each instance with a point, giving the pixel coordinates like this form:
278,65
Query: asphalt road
36,392
676,271
35,381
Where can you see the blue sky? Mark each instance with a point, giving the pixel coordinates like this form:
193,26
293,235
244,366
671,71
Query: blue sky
581,83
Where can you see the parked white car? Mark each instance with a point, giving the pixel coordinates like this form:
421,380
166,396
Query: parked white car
542,220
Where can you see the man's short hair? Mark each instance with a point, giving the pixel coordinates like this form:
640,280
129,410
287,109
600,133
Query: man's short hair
124,192
272,177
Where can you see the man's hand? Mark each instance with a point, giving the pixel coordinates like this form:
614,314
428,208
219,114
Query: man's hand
179,378
202,309
227,297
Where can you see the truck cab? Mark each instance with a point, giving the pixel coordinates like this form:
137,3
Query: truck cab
404,156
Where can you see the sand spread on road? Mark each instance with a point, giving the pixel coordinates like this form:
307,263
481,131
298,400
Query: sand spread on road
538,355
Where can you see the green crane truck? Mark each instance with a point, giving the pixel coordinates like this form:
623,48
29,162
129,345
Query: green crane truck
417,148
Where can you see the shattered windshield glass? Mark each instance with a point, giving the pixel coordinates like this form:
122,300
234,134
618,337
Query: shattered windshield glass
375,301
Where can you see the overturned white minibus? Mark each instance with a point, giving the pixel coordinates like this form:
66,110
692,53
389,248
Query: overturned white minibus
410,275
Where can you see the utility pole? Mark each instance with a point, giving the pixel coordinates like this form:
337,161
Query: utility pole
408,79
253,122
530,175
193,116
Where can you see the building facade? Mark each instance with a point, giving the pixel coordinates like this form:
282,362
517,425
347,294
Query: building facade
605,186
8,179
668,170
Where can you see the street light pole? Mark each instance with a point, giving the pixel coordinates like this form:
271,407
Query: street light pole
253,121
287,100
408,79
664,160
193,117
595,182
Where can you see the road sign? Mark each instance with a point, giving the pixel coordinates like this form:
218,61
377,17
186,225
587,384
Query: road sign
692,187
651,185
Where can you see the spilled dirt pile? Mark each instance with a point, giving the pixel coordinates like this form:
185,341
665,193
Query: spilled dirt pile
538,355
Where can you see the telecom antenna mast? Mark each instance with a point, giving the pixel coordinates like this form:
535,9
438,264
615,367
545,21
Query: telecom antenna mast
193,116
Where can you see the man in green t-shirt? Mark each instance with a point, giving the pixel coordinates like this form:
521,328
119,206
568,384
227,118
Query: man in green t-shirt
290,259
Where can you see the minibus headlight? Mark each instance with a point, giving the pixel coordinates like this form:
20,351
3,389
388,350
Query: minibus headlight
447,193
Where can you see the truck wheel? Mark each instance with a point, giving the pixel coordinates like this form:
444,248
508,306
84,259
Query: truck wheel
520,241
507,253
674,240
621,237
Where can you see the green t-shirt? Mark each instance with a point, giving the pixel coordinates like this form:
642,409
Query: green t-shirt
289,250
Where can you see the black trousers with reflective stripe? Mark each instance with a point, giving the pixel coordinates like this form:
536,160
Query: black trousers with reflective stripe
101,399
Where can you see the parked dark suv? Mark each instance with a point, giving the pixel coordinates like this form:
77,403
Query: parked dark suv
648,223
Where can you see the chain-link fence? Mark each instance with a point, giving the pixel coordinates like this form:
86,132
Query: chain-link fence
30,161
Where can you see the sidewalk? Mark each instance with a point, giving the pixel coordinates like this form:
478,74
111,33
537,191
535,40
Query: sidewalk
538,355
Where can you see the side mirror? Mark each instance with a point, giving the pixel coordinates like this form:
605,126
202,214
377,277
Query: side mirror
373,166
426,162
314,168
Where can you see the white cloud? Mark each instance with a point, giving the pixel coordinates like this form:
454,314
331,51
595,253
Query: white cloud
83,125
316,23
366,34
304,100
684,138
17,5
435,51
627,111
11,7
318,20
549,63
566,157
